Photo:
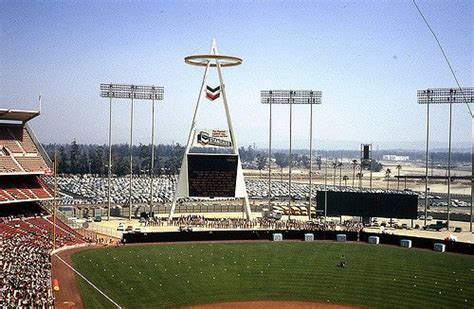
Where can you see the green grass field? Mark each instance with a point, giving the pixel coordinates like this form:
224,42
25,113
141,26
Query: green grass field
183,274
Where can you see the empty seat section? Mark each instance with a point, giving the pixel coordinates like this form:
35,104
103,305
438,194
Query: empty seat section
32,164
16,194
10,137
23,188
27,142
7,165
67,237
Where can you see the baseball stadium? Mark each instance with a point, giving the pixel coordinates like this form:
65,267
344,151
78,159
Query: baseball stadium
212,225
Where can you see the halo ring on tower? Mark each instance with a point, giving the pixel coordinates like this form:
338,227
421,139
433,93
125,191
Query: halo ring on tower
203,60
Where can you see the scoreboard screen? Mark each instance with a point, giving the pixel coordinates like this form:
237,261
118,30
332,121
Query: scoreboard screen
211,175
387,205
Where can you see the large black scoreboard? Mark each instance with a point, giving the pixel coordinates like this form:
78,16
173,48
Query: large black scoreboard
365,204
212,175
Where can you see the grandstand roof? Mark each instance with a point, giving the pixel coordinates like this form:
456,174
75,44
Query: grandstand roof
17,115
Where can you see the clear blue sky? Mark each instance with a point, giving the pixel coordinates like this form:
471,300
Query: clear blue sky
368,58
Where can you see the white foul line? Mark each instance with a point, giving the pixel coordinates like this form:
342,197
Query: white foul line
80,275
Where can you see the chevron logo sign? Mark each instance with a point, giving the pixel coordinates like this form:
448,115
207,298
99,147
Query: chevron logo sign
213,93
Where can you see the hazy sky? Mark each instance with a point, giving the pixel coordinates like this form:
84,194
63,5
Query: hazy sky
368,58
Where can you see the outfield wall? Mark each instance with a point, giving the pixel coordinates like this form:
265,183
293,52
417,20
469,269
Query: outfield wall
235,235
229,235
421,242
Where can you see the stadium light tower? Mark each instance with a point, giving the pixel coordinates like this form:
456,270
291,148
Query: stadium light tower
447,96
139,92
291,97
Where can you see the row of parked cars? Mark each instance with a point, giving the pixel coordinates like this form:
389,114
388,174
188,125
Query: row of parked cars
293,210
454,203
428,218
128,229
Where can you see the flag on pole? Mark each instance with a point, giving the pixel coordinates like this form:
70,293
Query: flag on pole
213,93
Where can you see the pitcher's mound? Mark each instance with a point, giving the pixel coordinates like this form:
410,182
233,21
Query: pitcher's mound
271,304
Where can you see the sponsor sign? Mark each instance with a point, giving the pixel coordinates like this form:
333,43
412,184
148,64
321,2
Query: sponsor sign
216,138
213,93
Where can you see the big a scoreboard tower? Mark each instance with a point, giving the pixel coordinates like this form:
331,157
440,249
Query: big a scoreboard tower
211,166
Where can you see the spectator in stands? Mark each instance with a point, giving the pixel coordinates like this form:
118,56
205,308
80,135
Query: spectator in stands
26,241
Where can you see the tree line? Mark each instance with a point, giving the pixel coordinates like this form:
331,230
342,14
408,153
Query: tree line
77,158
93,159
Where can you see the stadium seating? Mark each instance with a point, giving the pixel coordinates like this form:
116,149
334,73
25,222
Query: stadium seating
8,231
7,165
23,188
10,138
18,152
40,227
26,230
3,196
17,139
17,194
27,142
32,163
7,140
26,244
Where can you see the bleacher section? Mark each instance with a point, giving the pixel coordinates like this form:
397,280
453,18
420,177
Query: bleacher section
7,165
30,218
26,229
17,144
17,139
27,142
26,244
23,188
32,164
10,138
40,226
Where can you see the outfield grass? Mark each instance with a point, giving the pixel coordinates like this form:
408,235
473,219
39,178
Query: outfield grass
182,274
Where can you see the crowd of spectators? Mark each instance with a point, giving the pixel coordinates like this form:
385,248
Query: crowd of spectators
26,242
293,224
26,272
154,222
198,221
353,226
214,223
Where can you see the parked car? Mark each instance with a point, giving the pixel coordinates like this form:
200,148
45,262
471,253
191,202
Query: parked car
276,214
440,225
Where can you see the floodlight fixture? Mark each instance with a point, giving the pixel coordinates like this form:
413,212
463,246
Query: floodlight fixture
446,96
131,91
290,97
